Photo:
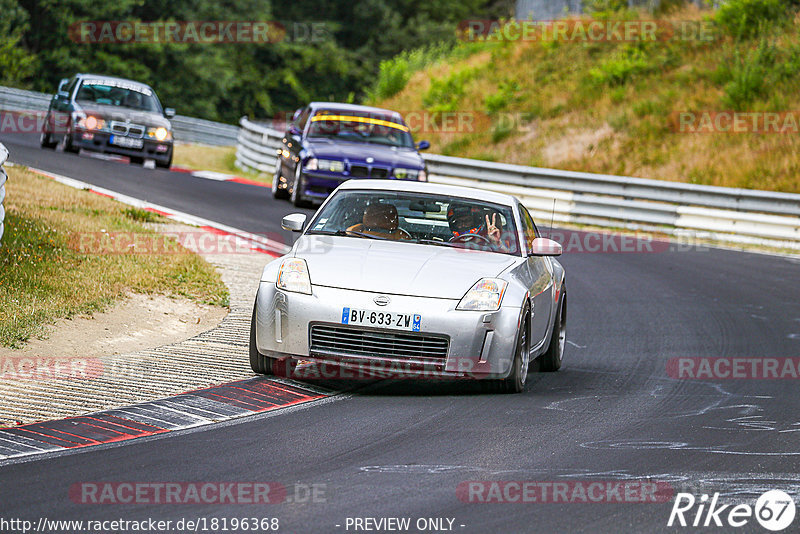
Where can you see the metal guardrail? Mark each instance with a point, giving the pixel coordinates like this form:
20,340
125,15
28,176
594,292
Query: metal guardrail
3,178
185,129
720,213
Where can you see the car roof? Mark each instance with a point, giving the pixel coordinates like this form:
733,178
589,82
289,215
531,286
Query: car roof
111,78
434,189
351,107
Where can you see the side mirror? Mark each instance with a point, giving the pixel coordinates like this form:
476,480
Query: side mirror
62,95
169,112
63,83
423,145
294,130
294,222
541,246
297,113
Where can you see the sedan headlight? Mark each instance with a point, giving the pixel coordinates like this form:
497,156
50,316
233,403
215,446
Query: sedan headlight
159,134
330,165
409,174
485,295
88,123
293,276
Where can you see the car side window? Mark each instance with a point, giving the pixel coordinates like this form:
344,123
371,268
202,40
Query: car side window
71,86
528,227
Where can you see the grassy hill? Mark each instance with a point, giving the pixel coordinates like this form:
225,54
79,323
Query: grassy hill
612,106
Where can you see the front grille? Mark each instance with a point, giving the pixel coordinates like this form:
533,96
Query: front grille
355,341
380,173
124,128
359,171
136,130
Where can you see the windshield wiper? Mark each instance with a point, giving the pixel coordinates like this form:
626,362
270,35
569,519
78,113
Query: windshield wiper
346,233
435,242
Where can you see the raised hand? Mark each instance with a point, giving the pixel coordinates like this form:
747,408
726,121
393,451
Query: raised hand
492,231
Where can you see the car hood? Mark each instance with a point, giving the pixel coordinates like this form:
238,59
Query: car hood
358,152
117,113
397,268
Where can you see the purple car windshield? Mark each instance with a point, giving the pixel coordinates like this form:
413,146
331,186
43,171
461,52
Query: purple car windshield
360,127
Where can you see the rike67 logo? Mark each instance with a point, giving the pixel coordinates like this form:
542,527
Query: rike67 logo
774,510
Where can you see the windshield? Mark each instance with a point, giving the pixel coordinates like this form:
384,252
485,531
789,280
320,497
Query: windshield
119,94
360,127
419,218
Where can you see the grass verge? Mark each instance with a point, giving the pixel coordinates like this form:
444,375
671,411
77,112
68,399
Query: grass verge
214,158
44,277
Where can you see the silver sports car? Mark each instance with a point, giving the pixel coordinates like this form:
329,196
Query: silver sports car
415,279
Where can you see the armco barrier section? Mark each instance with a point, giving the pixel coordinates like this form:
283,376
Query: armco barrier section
185,129
3,178
720,213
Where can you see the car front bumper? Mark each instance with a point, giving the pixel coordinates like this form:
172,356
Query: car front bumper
318,185
480,344
160,151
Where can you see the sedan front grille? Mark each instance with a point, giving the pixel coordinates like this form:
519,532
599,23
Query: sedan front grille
359,171
355,341
127,129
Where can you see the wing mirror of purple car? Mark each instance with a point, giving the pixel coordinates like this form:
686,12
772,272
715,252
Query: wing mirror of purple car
541,246
294,222
423,145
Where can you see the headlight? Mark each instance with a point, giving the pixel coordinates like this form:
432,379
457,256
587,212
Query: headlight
331,165
410,174
160,133
92,123
293,276
485,295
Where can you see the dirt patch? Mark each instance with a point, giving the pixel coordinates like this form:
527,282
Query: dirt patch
138,323
575,145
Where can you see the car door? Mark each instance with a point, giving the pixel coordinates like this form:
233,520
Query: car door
541,283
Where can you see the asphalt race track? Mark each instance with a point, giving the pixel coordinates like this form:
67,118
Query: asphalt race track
402,449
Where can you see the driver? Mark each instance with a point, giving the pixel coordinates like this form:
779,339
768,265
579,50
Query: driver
465,219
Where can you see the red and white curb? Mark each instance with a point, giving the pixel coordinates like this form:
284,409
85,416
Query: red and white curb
259,243
192,409
217,176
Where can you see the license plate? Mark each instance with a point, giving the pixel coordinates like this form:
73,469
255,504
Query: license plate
126,142
401,321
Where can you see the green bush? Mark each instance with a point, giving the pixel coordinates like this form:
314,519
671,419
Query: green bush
444,94
621,67
505,95
748,18
393,74
747,76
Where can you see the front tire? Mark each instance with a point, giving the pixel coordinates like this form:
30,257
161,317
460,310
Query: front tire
277,192
551,360
515,383
264,365
46,141
297,188
165,164
67,142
